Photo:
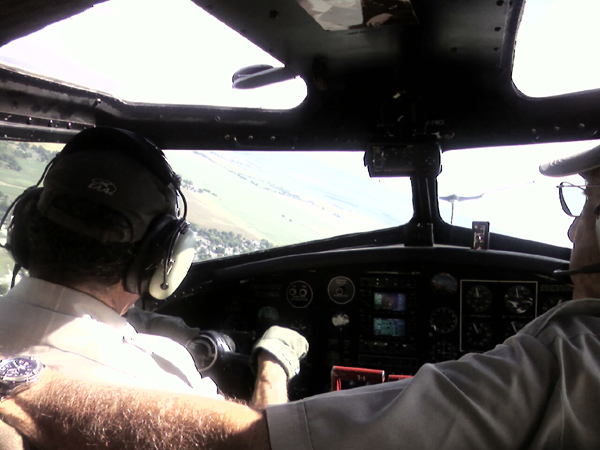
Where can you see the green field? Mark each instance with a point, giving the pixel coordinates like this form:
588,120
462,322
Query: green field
12,182
235,204
247,199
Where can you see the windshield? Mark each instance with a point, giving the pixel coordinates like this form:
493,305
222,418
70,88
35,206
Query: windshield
503,186
239,202
245,201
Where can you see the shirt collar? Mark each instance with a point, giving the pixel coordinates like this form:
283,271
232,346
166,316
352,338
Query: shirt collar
65,300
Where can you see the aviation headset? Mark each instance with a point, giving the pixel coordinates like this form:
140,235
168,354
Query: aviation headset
166,248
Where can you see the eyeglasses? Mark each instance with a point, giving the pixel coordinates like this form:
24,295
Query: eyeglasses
573,200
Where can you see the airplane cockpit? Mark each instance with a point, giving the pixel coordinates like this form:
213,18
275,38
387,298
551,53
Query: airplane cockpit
376,188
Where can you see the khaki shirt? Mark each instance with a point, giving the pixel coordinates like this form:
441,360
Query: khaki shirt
74,332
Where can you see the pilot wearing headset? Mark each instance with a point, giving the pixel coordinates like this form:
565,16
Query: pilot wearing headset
108,226
539,389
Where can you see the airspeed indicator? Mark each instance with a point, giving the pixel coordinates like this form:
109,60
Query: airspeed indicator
443,320
479,298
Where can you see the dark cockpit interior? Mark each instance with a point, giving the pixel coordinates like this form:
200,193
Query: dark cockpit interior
403,85
391,308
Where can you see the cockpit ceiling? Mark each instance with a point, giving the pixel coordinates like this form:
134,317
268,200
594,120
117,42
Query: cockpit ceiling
21,18
289,32
444,69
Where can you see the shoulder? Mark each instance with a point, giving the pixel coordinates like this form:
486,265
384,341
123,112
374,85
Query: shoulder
572,311
569,328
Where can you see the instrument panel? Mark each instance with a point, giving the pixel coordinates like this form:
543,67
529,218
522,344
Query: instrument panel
374,310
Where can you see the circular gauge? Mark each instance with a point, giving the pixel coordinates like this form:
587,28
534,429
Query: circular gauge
513,327
341,290
267,316
443,320
479,298
299,294
518,299
478,335
443,351
444,284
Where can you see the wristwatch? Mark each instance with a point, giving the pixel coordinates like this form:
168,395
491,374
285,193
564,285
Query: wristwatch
18,373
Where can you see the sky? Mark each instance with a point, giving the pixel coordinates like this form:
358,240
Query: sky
517,199
556,47
175,52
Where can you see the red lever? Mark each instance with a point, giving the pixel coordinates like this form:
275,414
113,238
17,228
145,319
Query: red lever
398,377
341,373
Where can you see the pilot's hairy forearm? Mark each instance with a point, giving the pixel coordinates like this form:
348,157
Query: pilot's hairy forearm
59,412
271,382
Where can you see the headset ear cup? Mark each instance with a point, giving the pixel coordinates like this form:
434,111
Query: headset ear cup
141,262
17,242
180,260
167,239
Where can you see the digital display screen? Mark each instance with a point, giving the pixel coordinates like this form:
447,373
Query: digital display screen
389,327
389,301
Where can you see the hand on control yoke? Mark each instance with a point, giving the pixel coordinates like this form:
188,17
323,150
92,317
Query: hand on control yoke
285,345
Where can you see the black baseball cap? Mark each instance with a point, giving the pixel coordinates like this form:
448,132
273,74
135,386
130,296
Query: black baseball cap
119,170
570,165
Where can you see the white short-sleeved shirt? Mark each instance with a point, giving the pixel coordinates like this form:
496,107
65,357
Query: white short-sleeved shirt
540,389
76,333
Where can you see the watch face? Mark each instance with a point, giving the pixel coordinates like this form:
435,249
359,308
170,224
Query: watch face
19,369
